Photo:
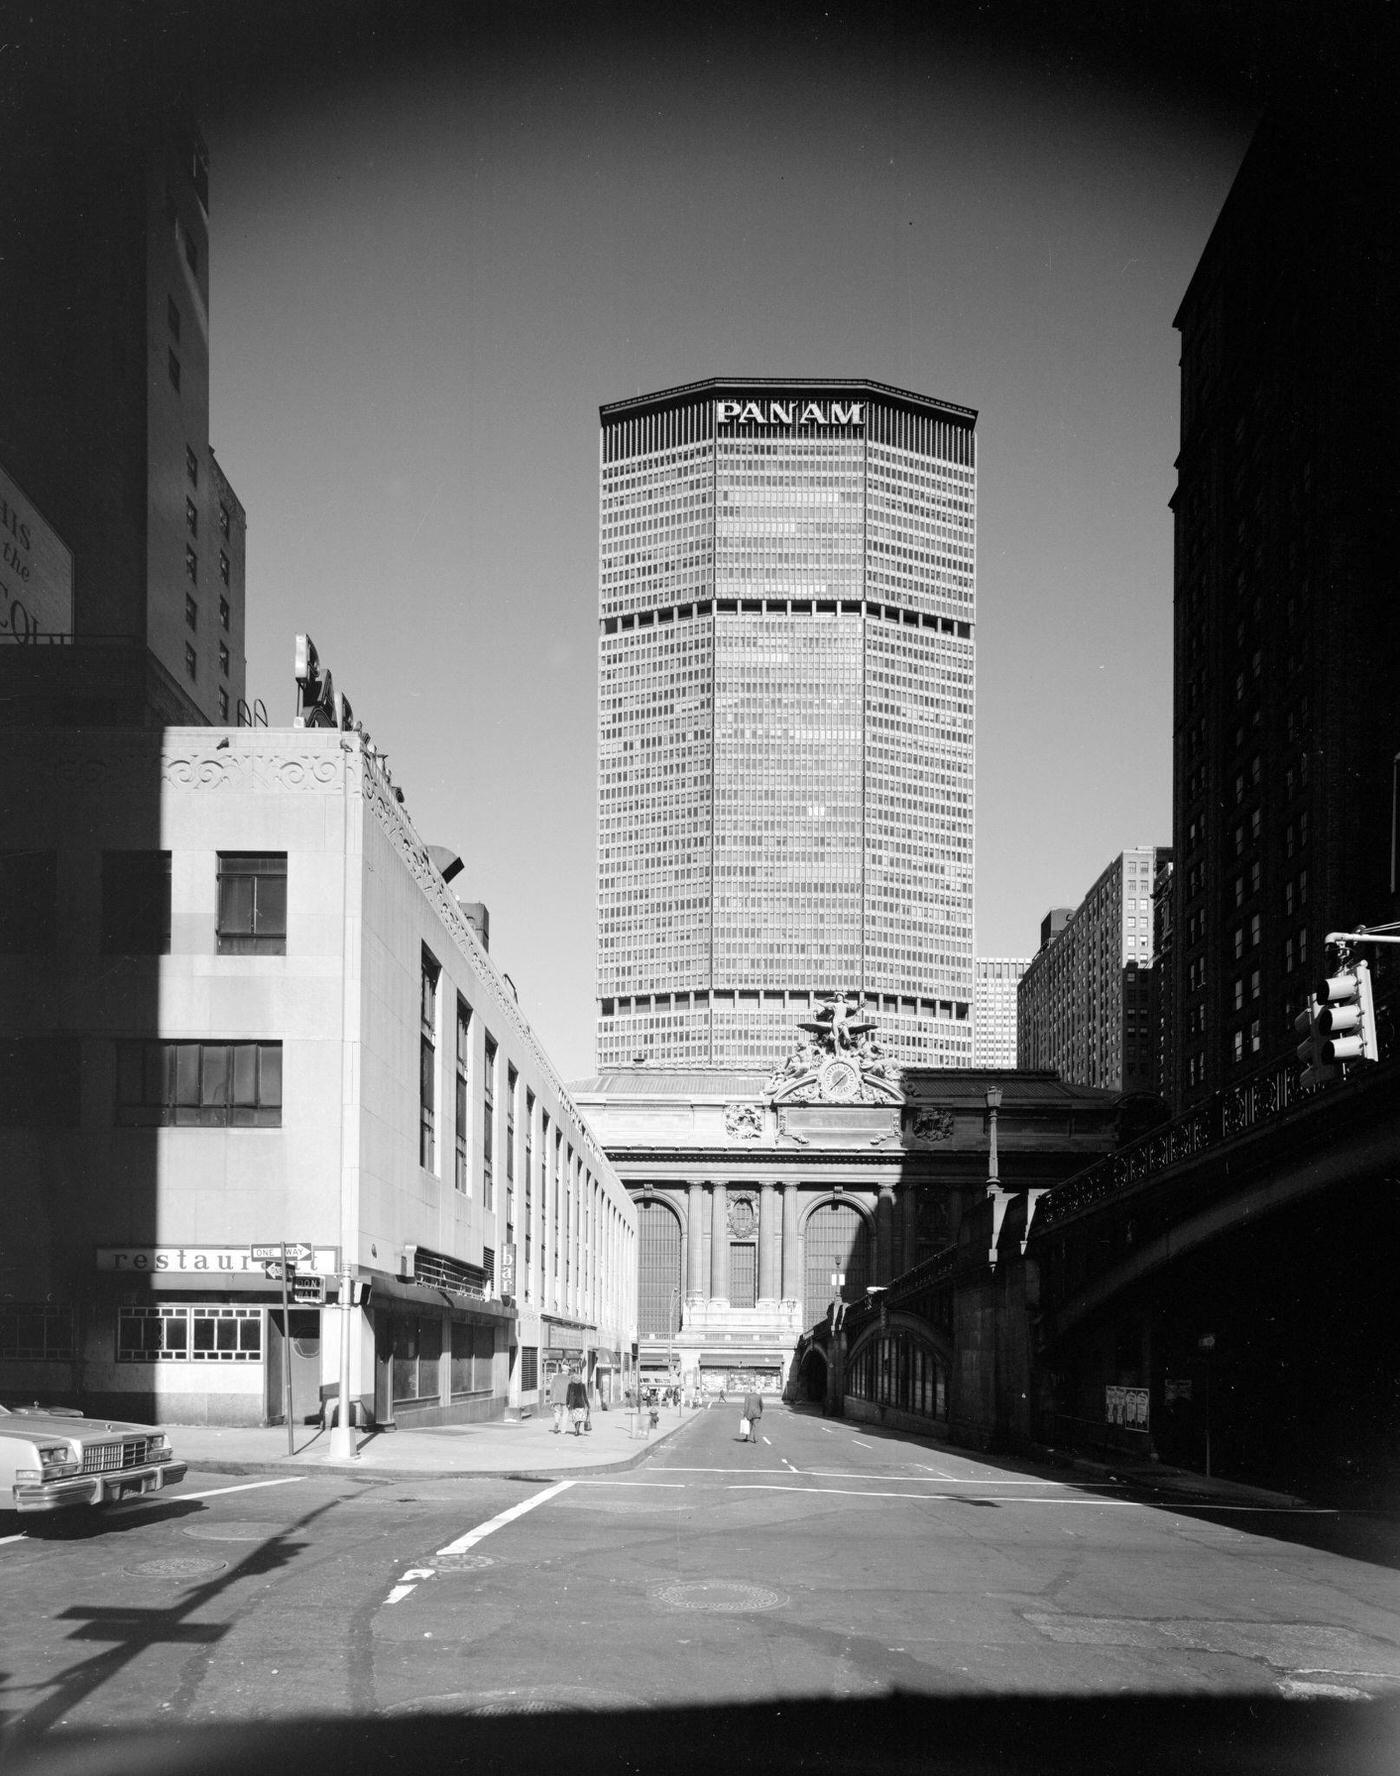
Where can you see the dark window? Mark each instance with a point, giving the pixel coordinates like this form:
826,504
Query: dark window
252,903
136,903
199,1084
223,613
223,704
192,466
488,1127
191,516
529,1368
191,565
427,1062
36,1331
417,1346
191,663
223,658
39,1082
174,363
28,886
223,569
191,252
462,1173
191,613
223,519
172,315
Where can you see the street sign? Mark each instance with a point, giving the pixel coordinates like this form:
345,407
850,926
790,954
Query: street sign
275,1272
294,1249
308,1291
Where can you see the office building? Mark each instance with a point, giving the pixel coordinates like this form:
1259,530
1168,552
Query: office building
300,1036
1085,1005
786,718
994,1010
122,582
1287,638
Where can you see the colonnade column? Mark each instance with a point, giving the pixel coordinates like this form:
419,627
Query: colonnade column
884,1234
909,1215
695,1245
719,1241
767,1243
792,1276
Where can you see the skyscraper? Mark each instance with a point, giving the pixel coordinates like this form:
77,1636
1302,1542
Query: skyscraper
994,1010
786,708
122,586
1287,637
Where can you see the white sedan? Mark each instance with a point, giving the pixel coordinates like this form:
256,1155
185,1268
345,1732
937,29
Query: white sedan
51,1456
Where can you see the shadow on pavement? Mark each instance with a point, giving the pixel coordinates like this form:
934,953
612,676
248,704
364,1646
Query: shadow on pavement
1149,1735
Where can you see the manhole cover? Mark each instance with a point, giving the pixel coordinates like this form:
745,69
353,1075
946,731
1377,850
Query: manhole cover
460,1563
528,1699
231,1532
175,1567
724,1596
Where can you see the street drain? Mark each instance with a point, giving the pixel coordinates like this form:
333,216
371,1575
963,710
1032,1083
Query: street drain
530,1699
460,1563
723,1596
175,1567
231,1531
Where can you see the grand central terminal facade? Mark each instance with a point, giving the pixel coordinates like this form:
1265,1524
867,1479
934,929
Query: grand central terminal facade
762,1198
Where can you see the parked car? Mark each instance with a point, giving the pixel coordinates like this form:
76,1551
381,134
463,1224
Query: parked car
51,1456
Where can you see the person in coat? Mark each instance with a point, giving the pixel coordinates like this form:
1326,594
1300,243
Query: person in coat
576,1398
753,1411
558,1398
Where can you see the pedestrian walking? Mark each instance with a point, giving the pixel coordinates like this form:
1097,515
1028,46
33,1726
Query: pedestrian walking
558,1397
576,1399
753,1411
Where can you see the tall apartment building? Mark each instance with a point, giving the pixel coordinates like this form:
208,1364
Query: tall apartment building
1085,1005
994,1010
1287,643
786,712
122,582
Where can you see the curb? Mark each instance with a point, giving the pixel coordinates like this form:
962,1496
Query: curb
356,1470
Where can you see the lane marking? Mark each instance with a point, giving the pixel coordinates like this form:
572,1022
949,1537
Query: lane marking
768,1441
860,1445
788,1465
666,1485
480,1533
953,1480
249,1486
408,1583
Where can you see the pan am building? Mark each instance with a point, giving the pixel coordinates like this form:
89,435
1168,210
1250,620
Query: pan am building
786,719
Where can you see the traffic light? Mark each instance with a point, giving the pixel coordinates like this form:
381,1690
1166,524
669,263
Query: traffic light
1316,1070
1346,1016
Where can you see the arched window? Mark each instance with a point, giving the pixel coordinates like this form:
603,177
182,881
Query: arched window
837,1239
659,1286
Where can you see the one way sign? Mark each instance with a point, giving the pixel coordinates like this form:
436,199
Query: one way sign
295,1251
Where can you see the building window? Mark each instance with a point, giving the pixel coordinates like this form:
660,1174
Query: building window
191,466
488,1128
223,658
191,612
191,565
191,516
223,613
224,520
136,903
462,1173
174,364
199,1084
191,252
252,903
36,1331
427,1062
223,567
200,1333
40,1081
28,888
191,664
512,1083
172,315
223,704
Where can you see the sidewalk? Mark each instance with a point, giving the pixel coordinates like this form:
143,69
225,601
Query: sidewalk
1182,1483
523,1449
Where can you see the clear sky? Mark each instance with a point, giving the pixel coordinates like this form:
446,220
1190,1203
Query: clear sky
436,247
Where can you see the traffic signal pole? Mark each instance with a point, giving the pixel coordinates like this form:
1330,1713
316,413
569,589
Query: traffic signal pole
287,1357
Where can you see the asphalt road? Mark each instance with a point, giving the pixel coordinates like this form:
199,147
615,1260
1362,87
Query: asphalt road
824,1561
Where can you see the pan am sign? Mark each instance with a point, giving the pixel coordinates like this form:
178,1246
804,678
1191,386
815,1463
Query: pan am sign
36,571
